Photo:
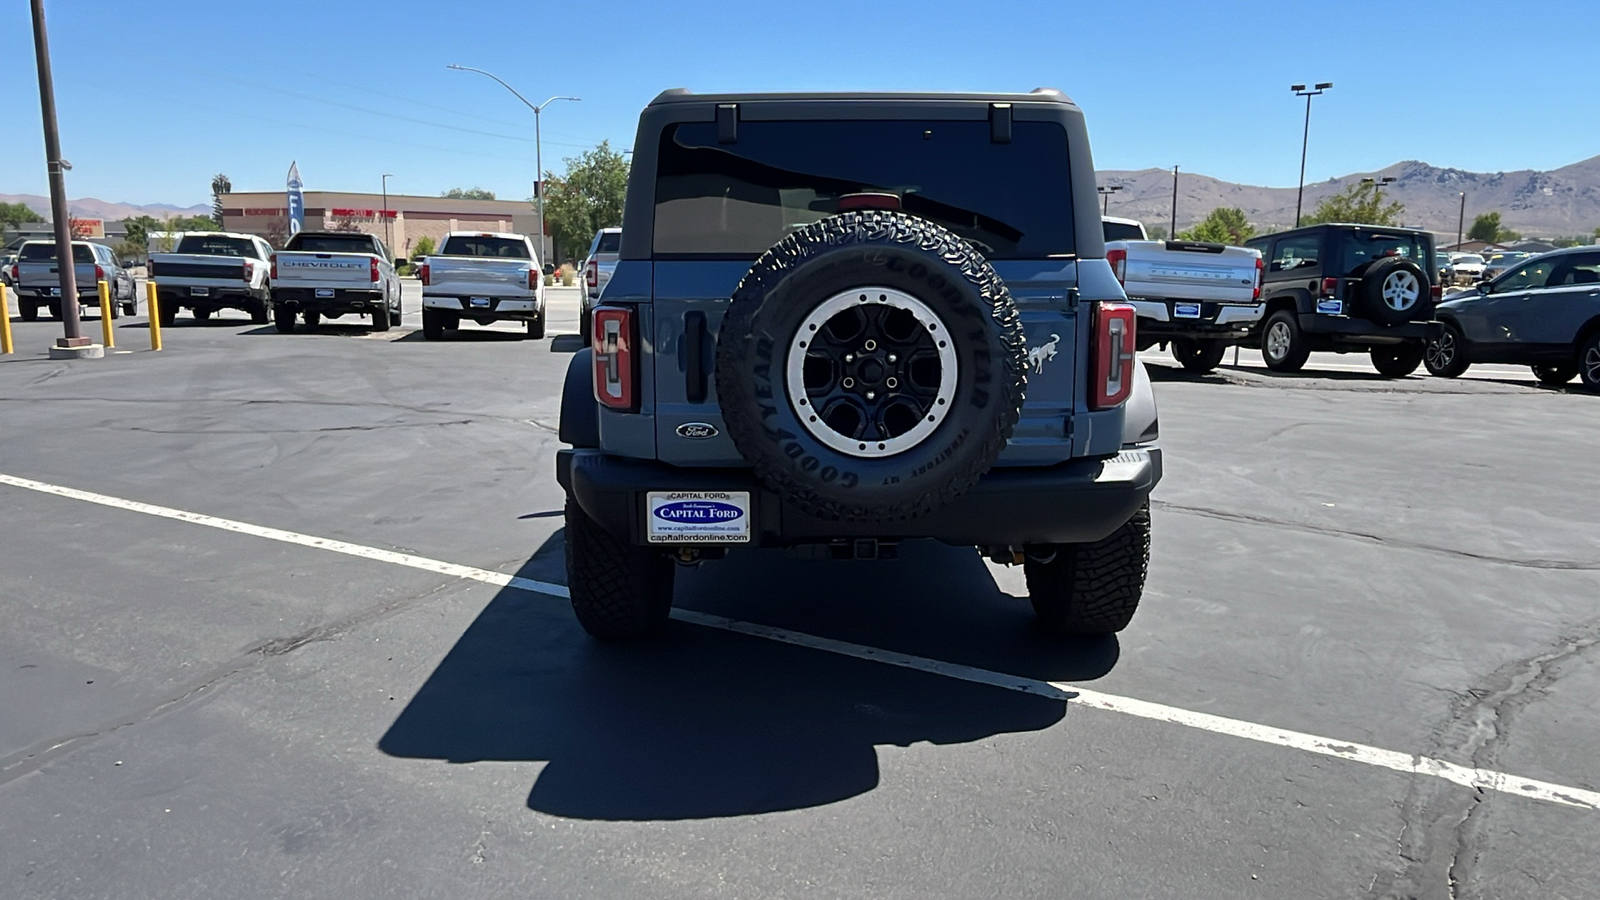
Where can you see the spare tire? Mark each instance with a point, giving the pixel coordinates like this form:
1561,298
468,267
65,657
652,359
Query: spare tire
871,367
1394,291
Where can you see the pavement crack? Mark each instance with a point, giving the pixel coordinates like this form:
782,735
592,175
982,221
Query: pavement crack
1576,565
35,757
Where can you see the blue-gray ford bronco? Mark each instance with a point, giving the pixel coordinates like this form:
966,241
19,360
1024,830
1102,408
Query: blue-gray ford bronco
840,321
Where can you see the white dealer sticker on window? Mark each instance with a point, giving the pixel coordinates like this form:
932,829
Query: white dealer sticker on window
698,517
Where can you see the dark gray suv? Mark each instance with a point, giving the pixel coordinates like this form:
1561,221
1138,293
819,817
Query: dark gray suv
841,321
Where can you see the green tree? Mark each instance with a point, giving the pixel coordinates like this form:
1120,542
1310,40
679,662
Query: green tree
423,247
1223,225
1487,227
586,199
1360,204
219,185
471,193
14,214
1156,232
139,228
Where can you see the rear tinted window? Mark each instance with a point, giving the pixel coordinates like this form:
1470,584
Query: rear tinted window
333,243
217,246
504,248
1008,200
1122,231
609,242
1358,248
43,252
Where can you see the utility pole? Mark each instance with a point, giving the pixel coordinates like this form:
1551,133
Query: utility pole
1172,231
72,343
388,239
538,144
1377,188
1461,220
1305,139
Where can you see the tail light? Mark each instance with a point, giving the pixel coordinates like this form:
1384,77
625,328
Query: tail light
150,268
99,273
273,271
533,279
249,270
1330,287
425,274
1119,264
591,274
1256,295
372,270
1112,354
614,363
1436,291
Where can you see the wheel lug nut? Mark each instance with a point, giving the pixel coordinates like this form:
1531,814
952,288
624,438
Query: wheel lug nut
870,395
849,357
891,357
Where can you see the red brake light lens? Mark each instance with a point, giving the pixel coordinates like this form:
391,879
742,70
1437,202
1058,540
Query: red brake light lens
1256,295
614,375
1330,287
273,271
249,270
533,279
373,269
99,273
592,274
425,274
1119,264
1111,356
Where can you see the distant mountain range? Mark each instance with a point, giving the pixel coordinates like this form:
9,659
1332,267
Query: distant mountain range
1558,203
90,208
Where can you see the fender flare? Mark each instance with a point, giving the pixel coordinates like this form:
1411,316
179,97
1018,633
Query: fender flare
1140,422
580,412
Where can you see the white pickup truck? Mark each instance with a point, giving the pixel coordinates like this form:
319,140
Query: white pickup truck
604,251
485,277
332,273
212,270
1199,297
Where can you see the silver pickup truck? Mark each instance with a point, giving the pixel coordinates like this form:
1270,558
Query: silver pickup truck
334,273
209,271
597,269
39,280
1199,297
482,276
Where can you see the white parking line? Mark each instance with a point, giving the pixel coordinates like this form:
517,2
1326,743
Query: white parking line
1411,764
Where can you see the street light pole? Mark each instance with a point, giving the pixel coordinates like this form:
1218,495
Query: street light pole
1377,190
1461,220
1305,140
1106,191
1172,231
65,262
388,239
538,143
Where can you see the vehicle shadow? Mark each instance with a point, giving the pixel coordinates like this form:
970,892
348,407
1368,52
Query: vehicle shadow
702,723
469,335
566,343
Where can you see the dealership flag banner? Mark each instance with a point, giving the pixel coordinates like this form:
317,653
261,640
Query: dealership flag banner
297,202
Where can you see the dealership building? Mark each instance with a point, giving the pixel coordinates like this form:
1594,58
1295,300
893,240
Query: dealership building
400,224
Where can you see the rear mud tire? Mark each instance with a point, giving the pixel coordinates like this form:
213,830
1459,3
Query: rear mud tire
380,318
1198,356
1396,360
202,314
282,318
1091,589
312,317
824,262
1283,346
166,312
536,327
28,309
260,312
432,324
619,591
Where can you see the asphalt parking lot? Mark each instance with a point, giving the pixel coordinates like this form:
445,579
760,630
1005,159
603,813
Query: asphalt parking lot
284,617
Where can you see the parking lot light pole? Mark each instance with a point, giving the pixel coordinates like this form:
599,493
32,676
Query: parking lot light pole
1377,191
538,143
1461,220
73,338
1305,139
1172,231
1106,191
388,239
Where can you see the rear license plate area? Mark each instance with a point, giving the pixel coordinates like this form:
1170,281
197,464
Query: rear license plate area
324,292
697,517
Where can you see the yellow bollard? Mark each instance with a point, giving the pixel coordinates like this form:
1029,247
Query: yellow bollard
5,323
105,316
152,308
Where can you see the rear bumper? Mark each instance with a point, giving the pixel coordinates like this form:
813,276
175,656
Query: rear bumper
1349,329
343,300
1074,502
230,297
498,308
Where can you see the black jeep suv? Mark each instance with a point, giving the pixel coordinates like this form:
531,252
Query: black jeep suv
1346,288
840,321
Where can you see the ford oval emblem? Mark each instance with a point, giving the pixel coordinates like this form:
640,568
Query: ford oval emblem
696,431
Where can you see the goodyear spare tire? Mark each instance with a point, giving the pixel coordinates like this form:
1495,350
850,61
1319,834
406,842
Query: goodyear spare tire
871,367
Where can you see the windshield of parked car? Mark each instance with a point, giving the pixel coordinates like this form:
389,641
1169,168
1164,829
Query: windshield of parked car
485,245
608,242
1009,200
1122,231
1357,249
1469,259
218,245
332,243
43,252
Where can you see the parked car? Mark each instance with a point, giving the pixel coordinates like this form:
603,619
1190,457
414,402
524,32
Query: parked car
1544,313
1500,263
1197,297
39,280
1347,288
1117,229
597,269
817,337
210,271
1467,268
334,273
483,276
1443,273
7,274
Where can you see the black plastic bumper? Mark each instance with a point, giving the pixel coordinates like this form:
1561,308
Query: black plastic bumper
1074,502
219,298
343,301
1354,330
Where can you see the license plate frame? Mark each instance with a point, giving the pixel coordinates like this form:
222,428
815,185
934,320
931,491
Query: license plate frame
1186,310
199,292
1330,307
478,302
324,293
697,517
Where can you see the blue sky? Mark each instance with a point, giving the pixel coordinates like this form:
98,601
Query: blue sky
155,97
